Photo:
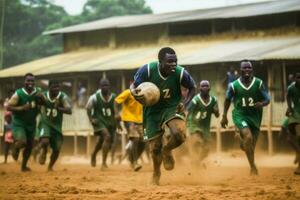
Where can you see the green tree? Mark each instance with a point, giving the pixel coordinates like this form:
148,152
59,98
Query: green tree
98,9
26,20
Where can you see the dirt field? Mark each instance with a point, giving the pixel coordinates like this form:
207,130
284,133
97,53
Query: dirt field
225,177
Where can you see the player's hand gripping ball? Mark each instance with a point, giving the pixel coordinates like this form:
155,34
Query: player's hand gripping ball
147,94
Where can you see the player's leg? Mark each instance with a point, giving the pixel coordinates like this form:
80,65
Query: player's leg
137,146
20,140
56,142
43,146
44,135
294,138
205,144
97,148
108,137
248,143
155,146
27,149
6,146
194,144
177,137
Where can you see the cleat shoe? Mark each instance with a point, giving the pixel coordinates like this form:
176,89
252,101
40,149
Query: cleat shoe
168,160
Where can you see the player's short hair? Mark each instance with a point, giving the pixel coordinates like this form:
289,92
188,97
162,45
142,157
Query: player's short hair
245,61
163,51
53,82
103,81
28,74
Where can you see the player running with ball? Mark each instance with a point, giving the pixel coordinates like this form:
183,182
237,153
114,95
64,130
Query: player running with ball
168,77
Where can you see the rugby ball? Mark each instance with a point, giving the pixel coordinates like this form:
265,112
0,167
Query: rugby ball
150,92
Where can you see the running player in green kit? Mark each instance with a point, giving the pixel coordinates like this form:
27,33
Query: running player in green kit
104,116
249,96
200,110
24,105
168,77
55,104
293,113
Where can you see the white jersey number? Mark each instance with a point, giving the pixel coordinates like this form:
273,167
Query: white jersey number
51,112
247,102
106,112
166,93
201,115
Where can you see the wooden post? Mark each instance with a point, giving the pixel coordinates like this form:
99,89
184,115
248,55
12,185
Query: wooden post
88,144
284,78
219,91
218,138
75,144
74,90
269,125
123,138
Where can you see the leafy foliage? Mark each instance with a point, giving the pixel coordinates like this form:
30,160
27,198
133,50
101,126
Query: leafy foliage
25,20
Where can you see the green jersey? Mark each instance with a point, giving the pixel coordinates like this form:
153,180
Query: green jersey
199,116
170,96
103,110
244,113
49,114
170,88
26,118
294,94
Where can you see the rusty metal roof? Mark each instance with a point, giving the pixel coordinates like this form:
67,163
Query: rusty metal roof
248,10
189,53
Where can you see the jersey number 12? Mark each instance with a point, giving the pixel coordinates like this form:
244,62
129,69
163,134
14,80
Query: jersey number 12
247,101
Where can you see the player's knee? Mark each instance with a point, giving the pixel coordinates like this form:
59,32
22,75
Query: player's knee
180,137
44,142
20,144
155,148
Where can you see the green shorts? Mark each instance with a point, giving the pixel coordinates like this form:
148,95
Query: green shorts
244,122
285,123
55,136
294,118
23,133
155,121
204,134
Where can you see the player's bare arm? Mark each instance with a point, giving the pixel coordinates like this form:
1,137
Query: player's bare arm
90,109
13,102
266,100
227,102
289,110
66,107
216,110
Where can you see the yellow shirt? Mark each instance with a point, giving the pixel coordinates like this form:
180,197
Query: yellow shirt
132,110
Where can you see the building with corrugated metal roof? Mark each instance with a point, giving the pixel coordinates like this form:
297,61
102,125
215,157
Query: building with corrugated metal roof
208,42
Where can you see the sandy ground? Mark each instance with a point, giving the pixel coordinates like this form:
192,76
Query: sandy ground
226,177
